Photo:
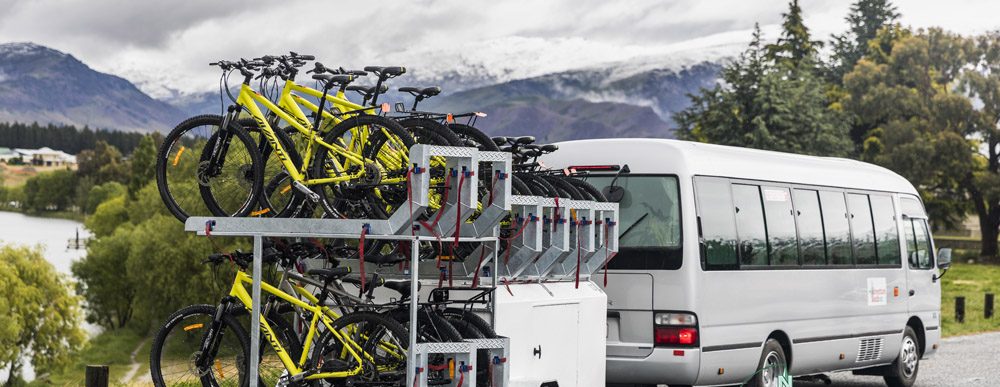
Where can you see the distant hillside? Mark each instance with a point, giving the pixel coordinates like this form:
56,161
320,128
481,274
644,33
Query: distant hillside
39,84
583,104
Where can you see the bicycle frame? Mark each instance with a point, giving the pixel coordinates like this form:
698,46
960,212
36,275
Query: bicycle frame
239,291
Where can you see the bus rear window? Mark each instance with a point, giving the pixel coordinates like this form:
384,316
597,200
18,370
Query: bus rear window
649,221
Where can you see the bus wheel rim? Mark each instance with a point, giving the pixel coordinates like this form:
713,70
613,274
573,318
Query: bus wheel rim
769,375
908,356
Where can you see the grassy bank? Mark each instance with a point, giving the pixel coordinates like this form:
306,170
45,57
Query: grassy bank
970,281
112,348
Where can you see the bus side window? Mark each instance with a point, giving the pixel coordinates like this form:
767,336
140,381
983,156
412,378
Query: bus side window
750,226
718,227
886,234
810,219
838,231
862,229
922,257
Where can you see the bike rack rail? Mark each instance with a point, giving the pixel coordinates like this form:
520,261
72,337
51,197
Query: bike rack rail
554,231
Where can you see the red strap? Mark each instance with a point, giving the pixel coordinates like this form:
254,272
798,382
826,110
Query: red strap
361,256
555,215
606,254
496,178
409,198
451,259
444,199
524,224
489,374
433,367
475,278
458,213
461,376
506,284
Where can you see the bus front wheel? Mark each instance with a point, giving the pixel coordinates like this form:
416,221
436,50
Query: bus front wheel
903,372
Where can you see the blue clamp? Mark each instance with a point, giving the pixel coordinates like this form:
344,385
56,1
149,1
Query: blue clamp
417,170
366,227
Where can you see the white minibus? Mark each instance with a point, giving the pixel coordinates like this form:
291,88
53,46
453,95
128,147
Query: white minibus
736,265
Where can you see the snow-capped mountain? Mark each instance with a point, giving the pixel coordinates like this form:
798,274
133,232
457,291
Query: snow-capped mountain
39,84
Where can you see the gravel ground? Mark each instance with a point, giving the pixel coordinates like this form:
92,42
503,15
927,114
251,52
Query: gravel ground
964,361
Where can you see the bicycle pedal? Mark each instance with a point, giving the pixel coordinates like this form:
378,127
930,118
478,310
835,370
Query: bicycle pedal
313,197
334,365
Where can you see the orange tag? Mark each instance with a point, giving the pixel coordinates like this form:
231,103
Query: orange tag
385,107
449,118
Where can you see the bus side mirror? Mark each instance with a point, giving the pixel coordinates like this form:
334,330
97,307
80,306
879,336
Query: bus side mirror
944,259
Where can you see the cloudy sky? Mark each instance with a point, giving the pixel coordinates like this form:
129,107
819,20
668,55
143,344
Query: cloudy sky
167,44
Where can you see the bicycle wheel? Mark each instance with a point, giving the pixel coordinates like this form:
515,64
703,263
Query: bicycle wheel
278,199
518,187
474,136
587,188
177,348
470,320
381,343
385,163
179,166
231,174
416,124
564,188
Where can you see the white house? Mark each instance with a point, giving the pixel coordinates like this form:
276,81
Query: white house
46,156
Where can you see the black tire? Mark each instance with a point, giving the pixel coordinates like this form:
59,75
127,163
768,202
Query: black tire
518,187
234,189
771,364
564,188
278,199
903,371
431,326
587,188
371,331
178,162
178,341
538,186
418,124
475,136
468,318
353,199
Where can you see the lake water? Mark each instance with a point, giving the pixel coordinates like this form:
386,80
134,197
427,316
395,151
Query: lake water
53,235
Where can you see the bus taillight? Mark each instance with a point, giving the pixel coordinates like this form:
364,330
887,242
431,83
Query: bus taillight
675,330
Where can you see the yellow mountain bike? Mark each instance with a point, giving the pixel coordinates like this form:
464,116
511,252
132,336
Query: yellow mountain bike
205,345
221,161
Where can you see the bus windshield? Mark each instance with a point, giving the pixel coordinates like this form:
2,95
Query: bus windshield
649,222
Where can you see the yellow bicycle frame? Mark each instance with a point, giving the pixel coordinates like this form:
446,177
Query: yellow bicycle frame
318,315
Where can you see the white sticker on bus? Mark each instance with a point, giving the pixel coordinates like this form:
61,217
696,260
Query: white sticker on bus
776,195
877,293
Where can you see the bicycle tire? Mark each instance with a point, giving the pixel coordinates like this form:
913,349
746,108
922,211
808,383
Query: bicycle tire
518,187
361,201
326,345
177,167
156,363
538,186
564,188
277,200
468,132
589,189
471,319
244,175
434,126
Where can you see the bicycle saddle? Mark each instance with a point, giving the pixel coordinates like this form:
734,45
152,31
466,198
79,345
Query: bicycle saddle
391,71
331,79
330,274
368,90
401,287
422,92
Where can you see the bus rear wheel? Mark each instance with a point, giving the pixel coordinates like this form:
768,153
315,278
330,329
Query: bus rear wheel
771,367
903,371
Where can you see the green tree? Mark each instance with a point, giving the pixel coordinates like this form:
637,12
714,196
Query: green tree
761,104
41,316
102,193
51,190
794,45
903,95
143,162
983,184
103,281
864,20
108,217
104,163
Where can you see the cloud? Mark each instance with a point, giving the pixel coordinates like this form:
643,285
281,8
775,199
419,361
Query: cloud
165,45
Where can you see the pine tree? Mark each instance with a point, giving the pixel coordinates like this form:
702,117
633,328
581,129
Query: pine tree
865,19
794,46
